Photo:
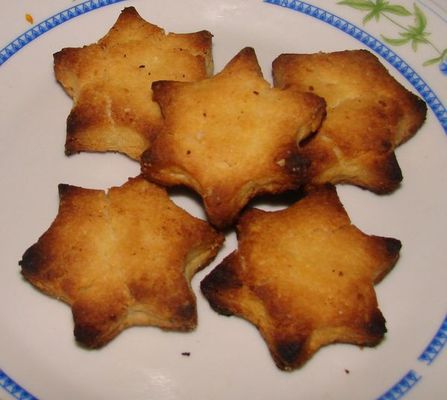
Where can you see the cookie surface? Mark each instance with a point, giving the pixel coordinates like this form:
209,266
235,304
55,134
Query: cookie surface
231,137
368,115
110,82
121,258
304,277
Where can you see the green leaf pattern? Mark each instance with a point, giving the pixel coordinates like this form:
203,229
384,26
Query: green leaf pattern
414,34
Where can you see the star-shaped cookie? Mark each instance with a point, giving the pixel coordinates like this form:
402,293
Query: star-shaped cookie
369,114
121,258
110,82
304,277
231,137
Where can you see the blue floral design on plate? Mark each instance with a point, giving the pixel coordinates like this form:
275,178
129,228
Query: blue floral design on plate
443,67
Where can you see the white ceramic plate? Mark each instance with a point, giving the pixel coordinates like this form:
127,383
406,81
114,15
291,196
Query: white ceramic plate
228,359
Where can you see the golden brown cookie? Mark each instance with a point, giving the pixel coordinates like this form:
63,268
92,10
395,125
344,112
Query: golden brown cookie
110,82
231,137
121,258
304,277
369,114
